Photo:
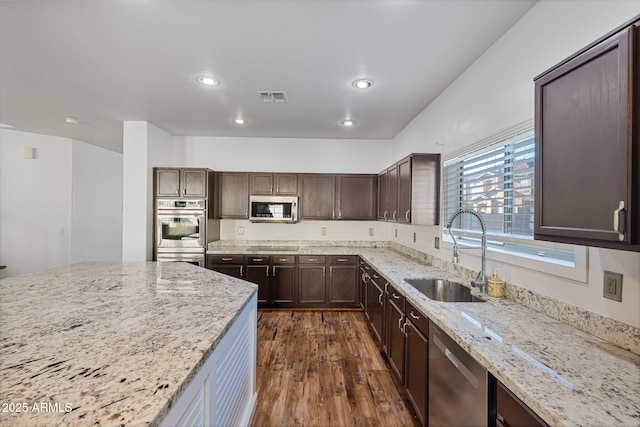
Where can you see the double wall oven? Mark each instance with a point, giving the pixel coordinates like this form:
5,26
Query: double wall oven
180,233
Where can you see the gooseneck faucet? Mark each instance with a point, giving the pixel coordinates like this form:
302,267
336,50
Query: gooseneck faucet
480,279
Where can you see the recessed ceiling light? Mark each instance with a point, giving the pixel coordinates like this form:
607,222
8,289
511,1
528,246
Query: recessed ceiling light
240,121
362,84
71,120
348,122
208,81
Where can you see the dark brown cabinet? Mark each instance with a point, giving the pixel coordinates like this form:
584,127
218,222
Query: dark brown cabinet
511,411
409,191
587,120
312,272
376,313
274,184
170,182
394,318
416,349
231,265
317,197
283,280
257,271
356,196
342,284
234,195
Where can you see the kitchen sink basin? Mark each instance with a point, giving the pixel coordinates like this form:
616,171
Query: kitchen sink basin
444,290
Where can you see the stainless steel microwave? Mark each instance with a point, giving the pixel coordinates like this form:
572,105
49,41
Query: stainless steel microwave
273,209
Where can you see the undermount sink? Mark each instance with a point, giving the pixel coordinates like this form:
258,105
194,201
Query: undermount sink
444,290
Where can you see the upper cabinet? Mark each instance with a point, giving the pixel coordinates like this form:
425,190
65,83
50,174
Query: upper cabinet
278,184
356,196
170,182
587,120
234,195
409,191
317,196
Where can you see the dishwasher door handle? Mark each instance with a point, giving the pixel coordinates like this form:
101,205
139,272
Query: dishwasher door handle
456,362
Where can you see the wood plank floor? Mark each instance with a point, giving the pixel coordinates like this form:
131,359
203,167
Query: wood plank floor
323,368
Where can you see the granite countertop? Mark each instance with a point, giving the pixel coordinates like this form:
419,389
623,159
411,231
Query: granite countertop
108,343
568,377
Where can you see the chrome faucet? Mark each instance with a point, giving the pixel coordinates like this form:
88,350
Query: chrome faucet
480,279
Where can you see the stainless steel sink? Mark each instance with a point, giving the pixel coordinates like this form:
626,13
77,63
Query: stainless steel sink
443,290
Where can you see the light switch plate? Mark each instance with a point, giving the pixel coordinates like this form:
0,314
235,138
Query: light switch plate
612,286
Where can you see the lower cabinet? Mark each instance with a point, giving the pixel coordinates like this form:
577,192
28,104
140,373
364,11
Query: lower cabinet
416,348
231,265
312,272
395,321
283,280
509,410
376,313
342,286
258,272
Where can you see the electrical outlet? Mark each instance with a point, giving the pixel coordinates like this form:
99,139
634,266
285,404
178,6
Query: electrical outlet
436,242
323,231
371,232
240,231
612,286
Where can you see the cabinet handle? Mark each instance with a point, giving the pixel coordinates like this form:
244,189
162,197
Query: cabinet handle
619,220
283,260
380,297
271,189
413,316
375,276
340,213
406,215
343,259
227,259
258,259
241,268
333,213
312,259
246,212
393,217
400,324
404,328
395,296
324,271
277,188
384,215
267,271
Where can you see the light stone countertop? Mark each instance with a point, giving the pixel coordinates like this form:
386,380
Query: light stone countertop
108,343
568,377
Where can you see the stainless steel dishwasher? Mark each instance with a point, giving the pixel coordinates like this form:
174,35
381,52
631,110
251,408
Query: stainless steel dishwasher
457,384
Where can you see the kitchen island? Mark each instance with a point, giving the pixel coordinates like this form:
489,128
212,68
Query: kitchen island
124,344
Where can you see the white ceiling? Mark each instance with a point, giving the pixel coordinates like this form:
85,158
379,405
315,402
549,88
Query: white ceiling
108,61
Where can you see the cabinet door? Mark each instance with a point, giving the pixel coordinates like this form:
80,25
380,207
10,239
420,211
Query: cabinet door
286,184
230,270
311,284
342,285
584,145
234,195
168,182
356,196
259,274
376,297
317,200
383,196
194,183
262,183
417,358
395,338
404,191
392,180
283,284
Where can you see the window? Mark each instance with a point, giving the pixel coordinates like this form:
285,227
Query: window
496,179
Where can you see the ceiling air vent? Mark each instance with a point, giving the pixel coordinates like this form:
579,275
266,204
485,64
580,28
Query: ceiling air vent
273,96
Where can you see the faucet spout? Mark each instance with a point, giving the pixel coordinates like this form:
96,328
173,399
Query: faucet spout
481,278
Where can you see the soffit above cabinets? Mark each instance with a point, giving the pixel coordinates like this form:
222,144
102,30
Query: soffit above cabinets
104,62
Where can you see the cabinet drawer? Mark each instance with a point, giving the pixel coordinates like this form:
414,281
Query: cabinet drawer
312,259
343,259
420,320
257,259
395,296
283,259
225,259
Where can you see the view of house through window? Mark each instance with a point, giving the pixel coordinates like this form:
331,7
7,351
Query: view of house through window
497,181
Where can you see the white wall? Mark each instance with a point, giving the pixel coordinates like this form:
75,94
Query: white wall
96,213
495,93
144,147
286,154
35,203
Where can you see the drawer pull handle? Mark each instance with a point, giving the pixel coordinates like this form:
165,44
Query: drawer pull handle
375,276
284,259
258,259
395,296
227,259
312,259
343,259
413,316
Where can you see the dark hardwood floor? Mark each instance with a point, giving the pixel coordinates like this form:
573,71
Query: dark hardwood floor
323,368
